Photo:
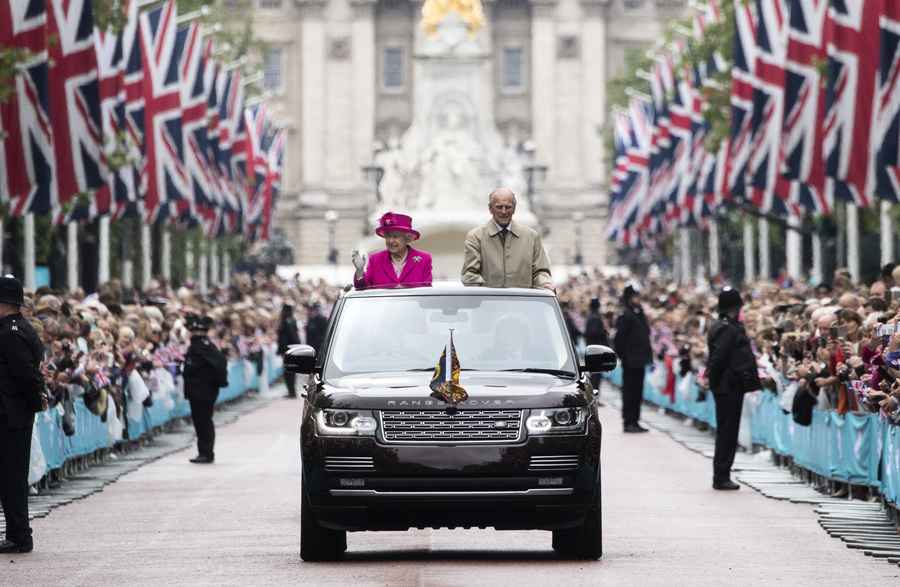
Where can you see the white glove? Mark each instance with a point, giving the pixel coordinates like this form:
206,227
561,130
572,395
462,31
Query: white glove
359,261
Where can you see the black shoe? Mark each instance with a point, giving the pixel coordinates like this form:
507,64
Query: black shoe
8,546
290,396
202,460
726,485
635,428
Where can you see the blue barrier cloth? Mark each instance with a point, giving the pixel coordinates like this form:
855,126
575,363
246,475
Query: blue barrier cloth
92,433
857,448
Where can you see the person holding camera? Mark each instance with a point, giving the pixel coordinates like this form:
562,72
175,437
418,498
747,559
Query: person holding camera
205,372
21,397
732,372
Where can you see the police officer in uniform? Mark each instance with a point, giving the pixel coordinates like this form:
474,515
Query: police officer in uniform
731,371
288,335
21,396
632,344
205,371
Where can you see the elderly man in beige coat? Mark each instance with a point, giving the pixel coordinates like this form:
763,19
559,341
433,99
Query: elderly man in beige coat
504,253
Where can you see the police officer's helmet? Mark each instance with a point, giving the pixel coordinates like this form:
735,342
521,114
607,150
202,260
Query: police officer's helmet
729,299
11,291
196,322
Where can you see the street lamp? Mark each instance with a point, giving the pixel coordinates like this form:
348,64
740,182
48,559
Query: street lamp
332,217
534,173
577,219
374,174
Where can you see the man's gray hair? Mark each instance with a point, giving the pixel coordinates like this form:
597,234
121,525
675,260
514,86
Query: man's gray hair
497,191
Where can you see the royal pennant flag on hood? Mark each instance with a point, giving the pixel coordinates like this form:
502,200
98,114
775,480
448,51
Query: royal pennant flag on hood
443,388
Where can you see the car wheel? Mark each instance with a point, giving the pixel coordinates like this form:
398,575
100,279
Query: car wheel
584,541
318,543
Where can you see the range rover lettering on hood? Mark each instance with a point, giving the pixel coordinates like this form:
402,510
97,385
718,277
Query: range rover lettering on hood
428,403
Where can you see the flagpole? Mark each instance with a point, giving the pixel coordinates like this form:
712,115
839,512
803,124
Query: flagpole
226,268
715,266
749,252
72,255
853,241
146,255
794,249
28,261
214,263
887,233
189,258
166,254
103,251
765,251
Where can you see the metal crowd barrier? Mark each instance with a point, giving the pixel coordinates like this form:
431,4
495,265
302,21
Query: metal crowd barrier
857,448
92,434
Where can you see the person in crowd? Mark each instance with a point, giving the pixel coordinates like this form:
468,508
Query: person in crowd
288,335
571,326
503,252
205,372
595,333
632,344
316,327
732,372
399,265
21,396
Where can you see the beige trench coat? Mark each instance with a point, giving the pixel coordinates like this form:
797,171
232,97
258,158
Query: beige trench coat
521,263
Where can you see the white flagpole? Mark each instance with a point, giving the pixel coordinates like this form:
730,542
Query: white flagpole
29,261
72,256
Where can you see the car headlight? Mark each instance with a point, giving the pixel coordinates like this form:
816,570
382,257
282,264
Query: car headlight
345,423
557,421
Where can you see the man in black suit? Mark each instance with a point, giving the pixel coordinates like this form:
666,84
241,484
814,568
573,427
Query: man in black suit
316,326
287,336
205,372
632,344
595,333
21,396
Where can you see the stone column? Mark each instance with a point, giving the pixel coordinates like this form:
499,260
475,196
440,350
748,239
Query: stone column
146,255
214,263
2,233
593,89
685,245
887,233
29,261
765,251
715,263
313,89
226,268
543,81
749,252
363,59
189,258
203,281
103,251
794,248
853,241
72,255
166,253
818,272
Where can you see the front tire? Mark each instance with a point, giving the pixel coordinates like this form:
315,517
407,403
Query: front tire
316,542
584,541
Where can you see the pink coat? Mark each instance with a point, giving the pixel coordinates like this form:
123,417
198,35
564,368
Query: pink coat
380,271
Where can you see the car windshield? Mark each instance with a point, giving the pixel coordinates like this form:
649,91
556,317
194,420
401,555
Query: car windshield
490,333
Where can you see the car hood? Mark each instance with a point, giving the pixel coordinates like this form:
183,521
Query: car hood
486,390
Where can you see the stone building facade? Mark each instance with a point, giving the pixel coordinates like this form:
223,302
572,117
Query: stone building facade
342,75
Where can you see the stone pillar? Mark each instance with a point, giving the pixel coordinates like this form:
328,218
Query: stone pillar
363,59
765,251
166,254
29,260
226,268
817,272
204,269
749,252
593,90
313,89
2,236
794,248
887,233
189,258
715,263
72,255
543,87
853,241
103,251
215,277
685,257
146,255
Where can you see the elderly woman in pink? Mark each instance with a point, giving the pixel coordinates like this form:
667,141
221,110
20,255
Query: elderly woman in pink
399,265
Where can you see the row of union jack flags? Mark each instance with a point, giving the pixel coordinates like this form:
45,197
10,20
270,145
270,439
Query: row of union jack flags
814,118
143,122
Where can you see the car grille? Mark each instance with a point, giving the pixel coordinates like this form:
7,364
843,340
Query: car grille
553,463
426,426
349,464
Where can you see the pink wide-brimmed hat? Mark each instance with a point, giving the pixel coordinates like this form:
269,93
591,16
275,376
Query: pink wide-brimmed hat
391,221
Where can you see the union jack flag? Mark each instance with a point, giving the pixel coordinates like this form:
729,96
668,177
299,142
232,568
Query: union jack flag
852,35
230,147
194,97
886,130
273,182
804,106
27,161
631,205
74,104
164,172
742,74
258,142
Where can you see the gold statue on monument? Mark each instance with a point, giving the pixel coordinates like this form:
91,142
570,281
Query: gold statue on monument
434,12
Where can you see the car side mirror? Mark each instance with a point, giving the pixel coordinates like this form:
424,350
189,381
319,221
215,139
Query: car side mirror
599,359
300,358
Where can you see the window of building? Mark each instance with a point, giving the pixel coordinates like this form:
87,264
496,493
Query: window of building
513,69
393,73
270,3
272,69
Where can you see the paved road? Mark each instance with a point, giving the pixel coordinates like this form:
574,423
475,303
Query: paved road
237,523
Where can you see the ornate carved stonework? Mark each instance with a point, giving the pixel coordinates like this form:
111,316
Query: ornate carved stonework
339,48
568,47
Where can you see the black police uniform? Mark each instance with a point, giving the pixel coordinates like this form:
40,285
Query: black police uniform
316,327
21,393
632,344
595,333
731,370
287,336
205,371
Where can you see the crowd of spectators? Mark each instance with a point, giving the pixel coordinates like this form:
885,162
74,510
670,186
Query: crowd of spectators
120,349
833,347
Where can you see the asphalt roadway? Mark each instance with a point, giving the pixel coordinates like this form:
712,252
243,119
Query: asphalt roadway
237,523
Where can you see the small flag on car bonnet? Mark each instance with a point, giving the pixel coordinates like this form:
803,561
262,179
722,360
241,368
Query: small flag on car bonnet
443,388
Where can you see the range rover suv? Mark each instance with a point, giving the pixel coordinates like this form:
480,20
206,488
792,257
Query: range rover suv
380,451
